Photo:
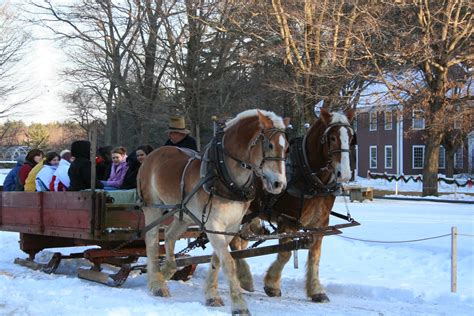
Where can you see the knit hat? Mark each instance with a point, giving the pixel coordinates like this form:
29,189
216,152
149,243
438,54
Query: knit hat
81,149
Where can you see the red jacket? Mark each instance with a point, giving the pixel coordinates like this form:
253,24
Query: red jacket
24,171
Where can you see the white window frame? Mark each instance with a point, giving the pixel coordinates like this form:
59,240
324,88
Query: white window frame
417,120
442,154
371,158
413,156
388,127
459,162
372,126
391,157
457,124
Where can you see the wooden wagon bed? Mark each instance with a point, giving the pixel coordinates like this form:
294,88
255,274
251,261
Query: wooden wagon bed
68,219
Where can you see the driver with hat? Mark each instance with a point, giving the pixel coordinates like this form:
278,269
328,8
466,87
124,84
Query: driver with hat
179,135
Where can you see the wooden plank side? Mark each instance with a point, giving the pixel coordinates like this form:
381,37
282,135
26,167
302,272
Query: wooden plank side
124,219
74,219
21,199
21,216
67,200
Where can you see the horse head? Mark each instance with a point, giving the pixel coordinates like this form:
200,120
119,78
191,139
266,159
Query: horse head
256,139
329,141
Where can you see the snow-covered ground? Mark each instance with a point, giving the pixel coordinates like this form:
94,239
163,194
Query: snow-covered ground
361,278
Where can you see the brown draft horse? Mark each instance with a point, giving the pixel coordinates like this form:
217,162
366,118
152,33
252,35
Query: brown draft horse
308,200
253,143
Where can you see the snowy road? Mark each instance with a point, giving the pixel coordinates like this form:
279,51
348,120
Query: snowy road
360,278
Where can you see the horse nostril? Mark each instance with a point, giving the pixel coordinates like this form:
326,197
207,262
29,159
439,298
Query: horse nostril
338,174
276,184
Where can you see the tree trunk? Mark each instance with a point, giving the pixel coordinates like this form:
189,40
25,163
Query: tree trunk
430,170
450,162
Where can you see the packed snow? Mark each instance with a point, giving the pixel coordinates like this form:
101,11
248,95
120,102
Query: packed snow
361,278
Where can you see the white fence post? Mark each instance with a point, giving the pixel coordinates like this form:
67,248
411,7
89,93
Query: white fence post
454,259
295,259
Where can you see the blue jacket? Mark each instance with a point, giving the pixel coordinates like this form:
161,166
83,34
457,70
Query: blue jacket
10,182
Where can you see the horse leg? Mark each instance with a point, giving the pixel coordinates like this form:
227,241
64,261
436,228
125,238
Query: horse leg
314,290
220,244
174,231
156,282
243,270
212,296
273,276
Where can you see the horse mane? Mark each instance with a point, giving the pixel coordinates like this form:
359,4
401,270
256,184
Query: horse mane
337,117
277,120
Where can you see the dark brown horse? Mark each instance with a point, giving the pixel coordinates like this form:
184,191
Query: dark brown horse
252,143
318,162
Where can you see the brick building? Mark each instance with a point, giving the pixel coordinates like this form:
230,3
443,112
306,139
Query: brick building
392,143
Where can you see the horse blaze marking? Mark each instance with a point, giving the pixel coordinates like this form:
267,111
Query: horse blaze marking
282,141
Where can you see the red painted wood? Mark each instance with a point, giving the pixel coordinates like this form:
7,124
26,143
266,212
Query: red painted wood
21,199
67,200
79,219
23,216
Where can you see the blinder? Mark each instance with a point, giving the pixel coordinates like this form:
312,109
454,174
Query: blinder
324,138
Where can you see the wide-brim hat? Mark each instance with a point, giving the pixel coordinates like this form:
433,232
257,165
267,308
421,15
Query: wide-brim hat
177,125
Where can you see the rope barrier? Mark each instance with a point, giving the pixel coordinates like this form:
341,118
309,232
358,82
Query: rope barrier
468,235
395,242
419,178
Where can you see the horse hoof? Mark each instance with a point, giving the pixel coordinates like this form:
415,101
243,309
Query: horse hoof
242,312
215,302
158,291
320,298
272,292
248,287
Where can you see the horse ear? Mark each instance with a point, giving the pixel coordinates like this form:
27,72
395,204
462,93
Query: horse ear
286,121
265,122
325,116
350,113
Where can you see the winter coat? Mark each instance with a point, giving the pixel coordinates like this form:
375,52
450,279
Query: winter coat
80,170
10,182
43,178
24,171
186,142
117,174
30,182
60,180
130,179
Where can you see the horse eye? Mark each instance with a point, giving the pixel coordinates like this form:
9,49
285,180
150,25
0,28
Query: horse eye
333,138
270,145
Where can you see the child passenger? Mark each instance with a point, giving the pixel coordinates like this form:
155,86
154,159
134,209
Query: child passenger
44,176
118,170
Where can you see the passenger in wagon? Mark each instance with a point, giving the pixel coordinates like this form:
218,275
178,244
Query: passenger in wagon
80,170
103,162
118,171
134,161
33,157
11,180
179,135
44,176
30,182
60,180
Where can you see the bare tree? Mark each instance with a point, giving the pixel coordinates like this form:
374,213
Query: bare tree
100,34
13,42
318,44
430,42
